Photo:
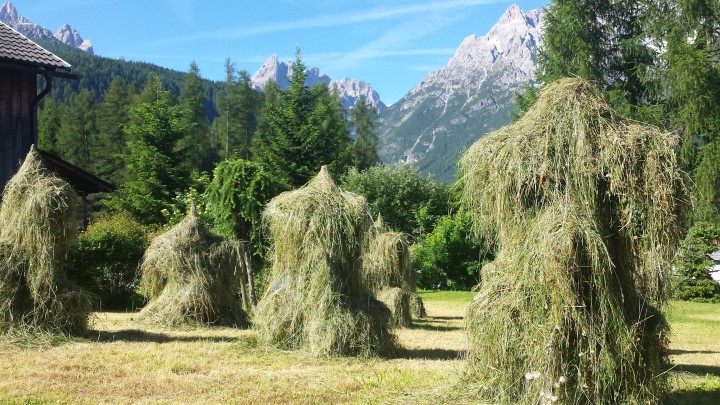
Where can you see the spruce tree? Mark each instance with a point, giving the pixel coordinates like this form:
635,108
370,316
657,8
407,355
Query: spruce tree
363,118
157,169
300,131
197,136
112,116
49,126
76,137
237,104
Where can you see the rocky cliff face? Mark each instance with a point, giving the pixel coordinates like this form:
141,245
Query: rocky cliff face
66,34
452,107
349,89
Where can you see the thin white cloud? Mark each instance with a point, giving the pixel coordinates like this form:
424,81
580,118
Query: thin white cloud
355,17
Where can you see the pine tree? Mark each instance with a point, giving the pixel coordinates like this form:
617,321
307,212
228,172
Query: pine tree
76,138
197,136
49,126
236,123
112,116
157,169
363,118
301,131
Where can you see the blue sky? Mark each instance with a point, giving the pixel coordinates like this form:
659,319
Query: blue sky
391,44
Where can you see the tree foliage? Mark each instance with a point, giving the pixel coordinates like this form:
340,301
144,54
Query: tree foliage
363,117
302,130
692,264
450,256
108,256
155,165
236,197
407,201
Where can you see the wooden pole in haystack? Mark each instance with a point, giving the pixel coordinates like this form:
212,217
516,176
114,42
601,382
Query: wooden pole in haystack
585,208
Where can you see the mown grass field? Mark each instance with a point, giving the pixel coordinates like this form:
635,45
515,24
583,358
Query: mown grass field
124,362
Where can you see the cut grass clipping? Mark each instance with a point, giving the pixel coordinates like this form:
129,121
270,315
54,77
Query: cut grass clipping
38,226
191,277
317,298
584,206
389,272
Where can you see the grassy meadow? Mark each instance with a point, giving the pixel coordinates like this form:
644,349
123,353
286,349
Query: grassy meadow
121,361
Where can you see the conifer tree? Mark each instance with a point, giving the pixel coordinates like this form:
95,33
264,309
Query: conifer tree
49,126
363,118
236,123
196,141
112,116
76,138
301,131
156,167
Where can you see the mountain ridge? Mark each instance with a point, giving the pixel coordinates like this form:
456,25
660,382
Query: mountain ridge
472,95
349,89
65,34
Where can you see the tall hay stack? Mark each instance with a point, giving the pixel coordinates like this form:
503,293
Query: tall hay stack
585,206
38,226
389,273
317,298
191,277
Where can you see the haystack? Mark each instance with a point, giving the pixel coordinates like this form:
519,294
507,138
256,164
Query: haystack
38,227
317,298
585,208
191,277
388,269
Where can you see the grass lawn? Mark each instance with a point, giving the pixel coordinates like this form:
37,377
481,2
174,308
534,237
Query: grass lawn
124,362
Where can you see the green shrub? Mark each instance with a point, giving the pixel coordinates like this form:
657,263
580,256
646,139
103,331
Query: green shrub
108,256
408,202
448,258
693,281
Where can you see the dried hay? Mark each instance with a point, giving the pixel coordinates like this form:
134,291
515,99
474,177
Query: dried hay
388,265
38,227
585,206
191,276
317,297
398,302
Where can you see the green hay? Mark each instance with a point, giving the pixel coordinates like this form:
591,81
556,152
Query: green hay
317,297
388,265
39,225
585,209
190,276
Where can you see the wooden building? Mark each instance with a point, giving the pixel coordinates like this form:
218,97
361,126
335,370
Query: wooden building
22,62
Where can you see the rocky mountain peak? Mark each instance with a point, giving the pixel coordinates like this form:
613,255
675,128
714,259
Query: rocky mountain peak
349,89
66,34
472,95
69,35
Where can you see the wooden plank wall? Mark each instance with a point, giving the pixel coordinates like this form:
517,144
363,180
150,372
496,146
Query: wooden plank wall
17,120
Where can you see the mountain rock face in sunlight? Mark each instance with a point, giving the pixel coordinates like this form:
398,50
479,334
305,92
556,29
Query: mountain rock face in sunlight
349,89
69,35
65,34
454,106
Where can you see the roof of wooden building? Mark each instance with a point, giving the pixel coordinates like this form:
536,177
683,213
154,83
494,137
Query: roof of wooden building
82,181
17,48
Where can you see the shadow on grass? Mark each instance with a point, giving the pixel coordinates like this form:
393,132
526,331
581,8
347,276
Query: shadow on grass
425,325
694,398
677,352
141,336
446,318
428,354
698,369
